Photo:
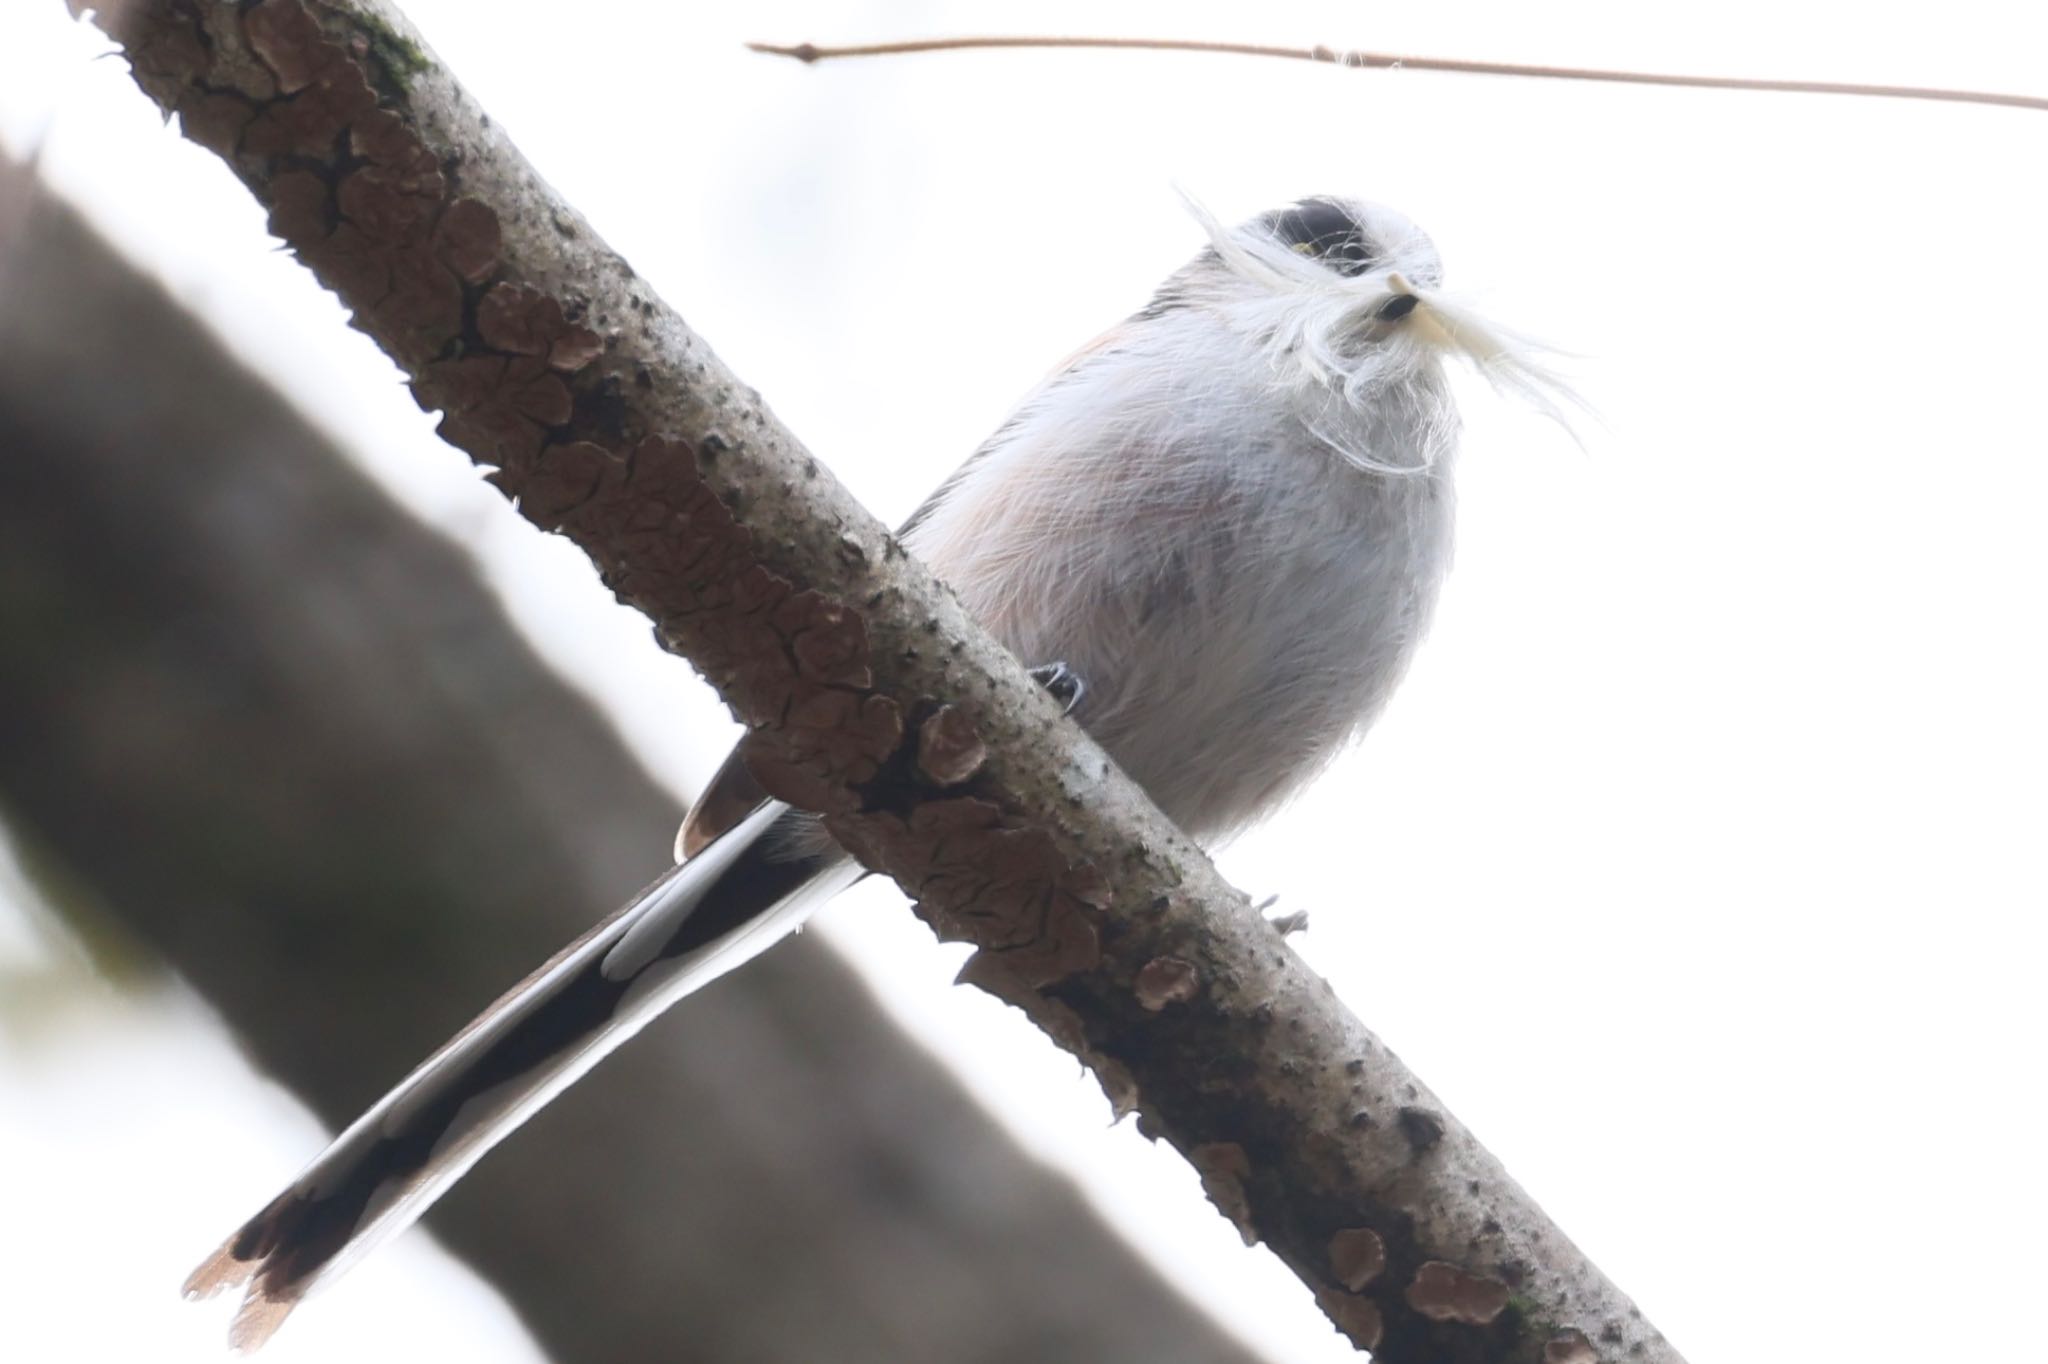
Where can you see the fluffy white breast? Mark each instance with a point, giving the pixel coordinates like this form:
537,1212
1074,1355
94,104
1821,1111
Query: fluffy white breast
1170,517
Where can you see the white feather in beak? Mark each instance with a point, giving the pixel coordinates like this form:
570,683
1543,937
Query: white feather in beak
1329,336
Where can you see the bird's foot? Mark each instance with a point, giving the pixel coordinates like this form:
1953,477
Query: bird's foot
1062,684
1289,924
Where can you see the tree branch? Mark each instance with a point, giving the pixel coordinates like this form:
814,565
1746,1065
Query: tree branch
809,53
869,694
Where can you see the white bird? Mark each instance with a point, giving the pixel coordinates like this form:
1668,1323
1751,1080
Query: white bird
1227,518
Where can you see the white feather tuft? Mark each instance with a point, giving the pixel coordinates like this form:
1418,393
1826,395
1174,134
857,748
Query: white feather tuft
1325,339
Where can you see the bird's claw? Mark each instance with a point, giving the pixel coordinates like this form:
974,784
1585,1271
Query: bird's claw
1062,684
1289,924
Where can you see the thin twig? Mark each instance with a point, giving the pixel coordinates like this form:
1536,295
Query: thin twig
808,52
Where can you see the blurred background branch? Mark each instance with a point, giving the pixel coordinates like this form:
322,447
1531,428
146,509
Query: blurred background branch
286,739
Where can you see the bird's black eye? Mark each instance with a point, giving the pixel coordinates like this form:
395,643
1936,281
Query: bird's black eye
1324,229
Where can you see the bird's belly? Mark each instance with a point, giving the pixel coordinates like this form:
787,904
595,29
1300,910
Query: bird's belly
1230,657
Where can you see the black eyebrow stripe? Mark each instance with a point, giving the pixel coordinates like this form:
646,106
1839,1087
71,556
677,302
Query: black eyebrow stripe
1327,229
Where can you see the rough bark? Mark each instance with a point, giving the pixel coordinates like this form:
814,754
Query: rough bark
608,421
281,733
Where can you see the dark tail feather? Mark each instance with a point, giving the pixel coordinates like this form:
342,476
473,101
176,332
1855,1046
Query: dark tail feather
700,920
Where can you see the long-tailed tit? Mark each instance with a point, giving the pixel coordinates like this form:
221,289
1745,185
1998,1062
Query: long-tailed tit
1228,517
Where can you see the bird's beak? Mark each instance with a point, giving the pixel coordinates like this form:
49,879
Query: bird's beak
1406,306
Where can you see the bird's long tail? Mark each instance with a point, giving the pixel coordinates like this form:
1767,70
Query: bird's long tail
700,920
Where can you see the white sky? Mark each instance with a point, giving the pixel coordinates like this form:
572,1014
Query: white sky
1699,865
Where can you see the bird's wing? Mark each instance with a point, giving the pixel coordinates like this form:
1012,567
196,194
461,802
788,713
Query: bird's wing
732,793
